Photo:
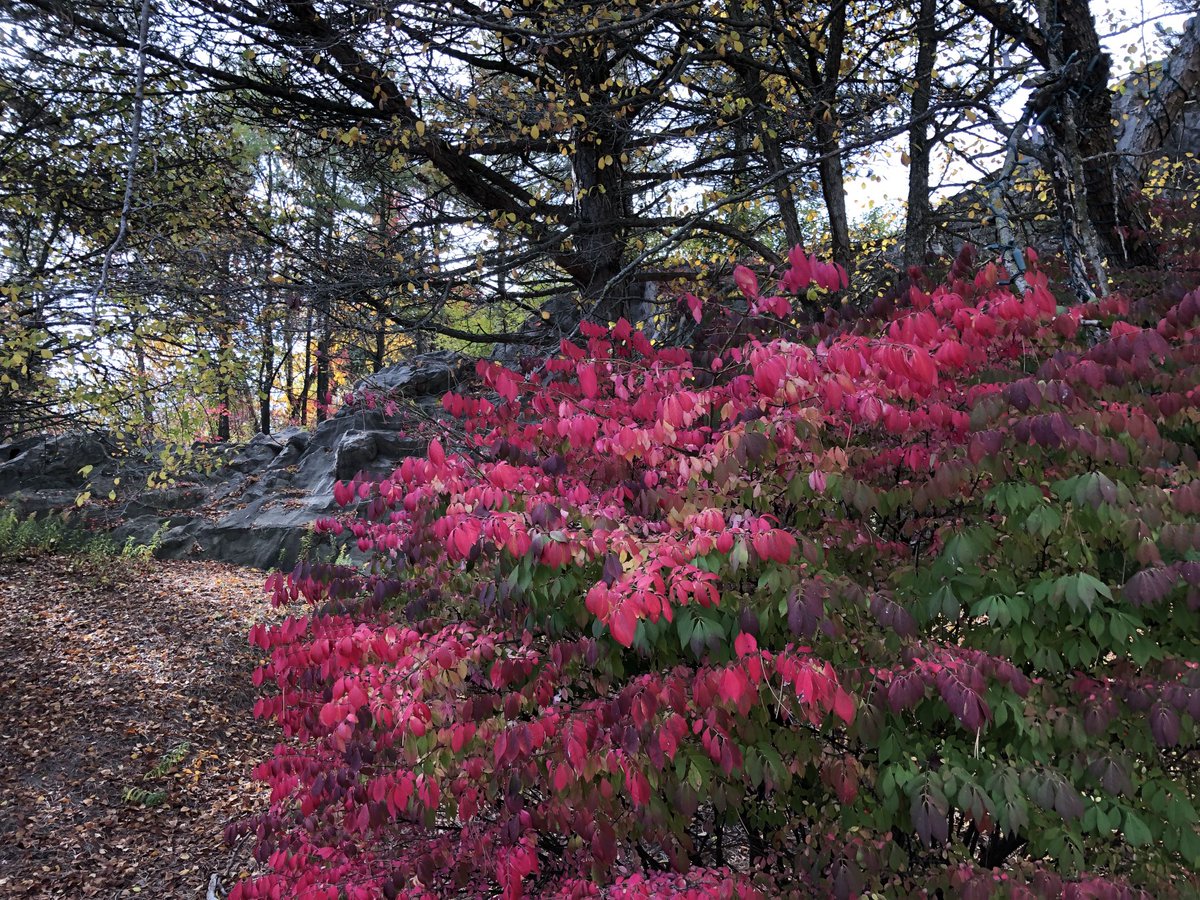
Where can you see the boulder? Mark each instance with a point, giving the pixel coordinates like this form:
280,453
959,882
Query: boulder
51,461
427,374
256,508
262,449
355,451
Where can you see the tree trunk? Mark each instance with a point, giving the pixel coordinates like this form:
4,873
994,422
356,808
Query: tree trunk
781,184
599,245
322,361
308,368
377,358
266,373
1067,46
1112,206
224,364
1070,90
139,353
1148,110
917,225
325,235
829,164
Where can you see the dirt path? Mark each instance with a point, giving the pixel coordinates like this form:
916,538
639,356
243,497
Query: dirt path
126,735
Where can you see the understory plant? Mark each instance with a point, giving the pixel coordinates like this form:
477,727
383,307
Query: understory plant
904,606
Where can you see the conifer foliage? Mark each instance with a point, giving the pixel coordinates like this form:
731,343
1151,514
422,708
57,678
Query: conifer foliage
899,607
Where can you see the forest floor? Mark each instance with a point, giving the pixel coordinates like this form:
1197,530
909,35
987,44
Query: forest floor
126,734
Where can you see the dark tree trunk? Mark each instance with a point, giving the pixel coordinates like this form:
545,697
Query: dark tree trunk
917,225
1078,115
599,245
377,358
306,385
266,374
223,364
781,184
322,361
829,164
1112,205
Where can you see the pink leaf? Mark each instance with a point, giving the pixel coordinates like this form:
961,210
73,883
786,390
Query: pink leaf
746,281
587,380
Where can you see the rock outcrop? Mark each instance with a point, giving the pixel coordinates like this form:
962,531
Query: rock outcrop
256,505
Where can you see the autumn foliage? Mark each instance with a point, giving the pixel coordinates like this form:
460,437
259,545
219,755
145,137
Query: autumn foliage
898,607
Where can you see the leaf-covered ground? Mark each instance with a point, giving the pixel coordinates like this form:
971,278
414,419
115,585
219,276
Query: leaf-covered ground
126,735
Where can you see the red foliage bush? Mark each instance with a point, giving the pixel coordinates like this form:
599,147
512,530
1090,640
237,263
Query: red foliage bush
899,607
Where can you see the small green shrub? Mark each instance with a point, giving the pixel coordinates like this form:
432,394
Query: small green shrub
142,797
63,533
171,760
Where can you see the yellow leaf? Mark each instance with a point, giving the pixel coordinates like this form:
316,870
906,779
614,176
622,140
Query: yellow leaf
420,128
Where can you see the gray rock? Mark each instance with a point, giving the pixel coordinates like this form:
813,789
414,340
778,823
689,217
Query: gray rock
163,500
262,449
355,451
427,373
51,461
256,509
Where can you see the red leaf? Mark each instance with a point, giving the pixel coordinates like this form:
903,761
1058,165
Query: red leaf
843,706
623,625
799,274
343,493
562,777
745,643
587,380
923,368
639,789
768,375
733,685
746,281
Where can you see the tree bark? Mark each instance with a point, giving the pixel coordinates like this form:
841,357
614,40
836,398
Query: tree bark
223,364
1079,121
306,384
266,372
752,87
599,245
1152,103
322,361
1118,217
917,225
829,163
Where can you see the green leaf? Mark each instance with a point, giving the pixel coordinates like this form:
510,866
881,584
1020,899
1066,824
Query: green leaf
1135,831
685,625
